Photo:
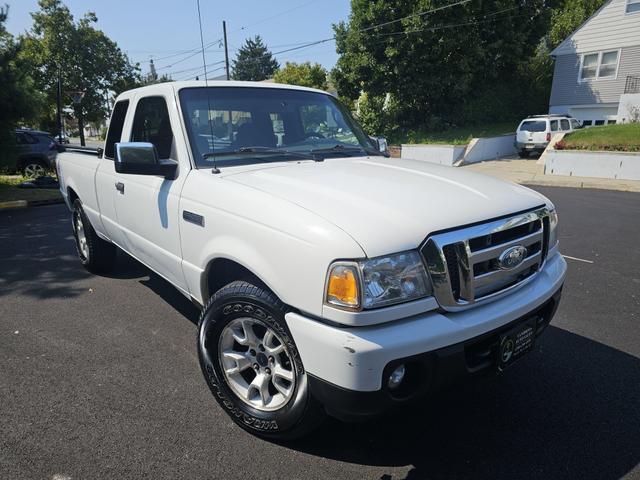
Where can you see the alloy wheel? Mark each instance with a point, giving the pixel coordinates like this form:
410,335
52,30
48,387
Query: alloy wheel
80,235
34,170
256,364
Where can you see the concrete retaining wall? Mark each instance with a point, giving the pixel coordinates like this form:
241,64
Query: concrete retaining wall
490,148
478,150
579,163
629,108
440,154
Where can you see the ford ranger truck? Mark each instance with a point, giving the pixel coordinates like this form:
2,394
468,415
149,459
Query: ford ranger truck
333,280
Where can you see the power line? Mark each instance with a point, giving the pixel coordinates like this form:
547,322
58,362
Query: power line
371,27
199,67
197,50
419,14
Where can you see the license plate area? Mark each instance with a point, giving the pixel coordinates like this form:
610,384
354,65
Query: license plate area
515,343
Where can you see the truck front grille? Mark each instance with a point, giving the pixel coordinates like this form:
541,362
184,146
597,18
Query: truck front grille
476,263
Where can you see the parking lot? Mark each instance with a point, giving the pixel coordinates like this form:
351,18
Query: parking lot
99,376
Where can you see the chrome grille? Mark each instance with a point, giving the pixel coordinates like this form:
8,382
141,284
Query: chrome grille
464,264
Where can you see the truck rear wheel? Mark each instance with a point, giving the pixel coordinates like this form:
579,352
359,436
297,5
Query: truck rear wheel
252,365
95,254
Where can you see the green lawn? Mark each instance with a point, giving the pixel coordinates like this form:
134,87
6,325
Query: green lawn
623,138
10,192
458,136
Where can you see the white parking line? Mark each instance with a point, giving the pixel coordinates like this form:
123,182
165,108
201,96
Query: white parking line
578,259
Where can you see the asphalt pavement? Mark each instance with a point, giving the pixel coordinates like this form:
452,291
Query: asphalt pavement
99,376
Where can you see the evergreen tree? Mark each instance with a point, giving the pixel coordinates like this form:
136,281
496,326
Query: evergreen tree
254,61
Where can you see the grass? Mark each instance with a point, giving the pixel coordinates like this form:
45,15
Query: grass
9,190
621,138
458,136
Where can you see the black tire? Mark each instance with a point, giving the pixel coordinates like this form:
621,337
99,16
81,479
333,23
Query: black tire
99,255
302,414
523,154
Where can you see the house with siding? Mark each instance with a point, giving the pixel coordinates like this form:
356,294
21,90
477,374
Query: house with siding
597,64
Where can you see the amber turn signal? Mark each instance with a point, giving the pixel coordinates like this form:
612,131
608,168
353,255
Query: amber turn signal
342,286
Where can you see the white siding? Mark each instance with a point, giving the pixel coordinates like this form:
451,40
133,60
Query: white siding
566,90
609,28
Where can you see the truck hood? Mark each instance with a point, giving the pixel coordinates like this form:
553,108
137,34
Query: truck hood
389,205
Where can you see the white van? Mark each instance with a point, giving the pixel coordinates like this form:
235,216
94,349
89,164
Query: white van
534,133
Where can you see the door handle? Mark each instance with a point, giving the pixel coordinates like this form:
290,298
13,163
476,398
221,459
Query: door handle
120,187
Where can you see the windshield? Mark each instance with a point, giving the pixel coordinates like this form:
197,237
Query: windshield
533,126
251,125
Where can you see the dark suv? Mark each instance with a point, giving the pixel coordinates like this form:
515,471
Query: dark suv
36,152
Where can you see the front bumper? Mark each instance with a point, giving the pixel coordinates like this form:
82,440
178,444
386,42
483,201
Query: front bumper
347,366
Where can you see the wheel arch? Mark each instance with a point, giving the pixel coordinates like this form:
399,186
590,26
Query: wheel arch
72,195
221,271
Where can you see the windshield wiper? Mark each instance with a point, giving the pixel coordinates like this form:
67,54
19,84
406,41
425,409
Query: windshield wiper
340,148
260,150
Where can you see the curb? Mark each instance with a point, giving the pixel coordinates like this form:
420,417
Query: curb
29,203
581,184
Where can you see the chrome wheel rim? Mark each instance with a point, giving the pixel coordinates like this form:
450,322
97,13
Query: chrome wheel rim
34,170
81,236
256,364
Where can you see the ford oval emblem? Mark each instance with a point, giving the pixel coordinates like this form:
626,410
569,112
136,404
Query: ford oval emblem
512,257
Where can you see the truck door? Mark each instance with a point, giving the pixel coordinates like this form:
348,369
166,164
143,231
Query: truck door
106,176
148,206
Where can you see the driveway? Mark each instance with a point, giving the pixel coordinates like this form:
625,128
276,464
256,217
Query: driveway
99,376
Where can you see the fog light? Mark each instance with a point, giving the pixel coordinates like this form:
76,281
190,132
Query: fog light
396,377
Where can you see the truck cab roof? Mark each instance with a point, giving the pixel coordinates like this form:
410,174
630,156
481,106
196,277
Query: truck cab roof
177,86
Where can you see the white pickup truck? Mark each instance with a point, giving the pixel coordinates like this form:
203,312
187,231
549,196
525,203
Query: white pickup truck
332,279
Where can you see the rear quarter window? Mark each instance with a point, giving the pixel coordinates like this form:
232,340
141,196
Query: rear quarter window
533,126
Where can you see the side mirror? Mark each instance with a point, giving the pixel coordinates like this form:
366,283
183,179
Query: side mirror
382,144
141,158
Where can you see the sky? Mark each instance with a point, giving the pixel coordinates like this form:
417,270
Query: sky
158,29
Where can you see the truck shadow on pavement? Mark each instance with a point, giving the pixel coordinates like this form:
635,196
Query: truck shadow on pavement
570,410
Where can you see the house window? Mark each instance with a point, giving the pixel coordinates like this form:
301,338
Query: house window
589,66
599,122
633,6
599,65
587,123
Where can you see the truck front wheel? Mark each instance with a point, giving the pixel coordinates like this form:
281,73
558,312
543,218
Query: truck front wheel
95,254
252,365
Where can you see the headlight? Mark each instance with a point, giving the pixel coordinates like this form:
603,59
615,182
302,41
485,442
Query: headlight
553,228
383,280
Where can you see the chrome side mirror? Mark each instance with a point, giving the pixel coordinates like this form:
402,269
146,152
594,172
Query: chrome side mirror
381,143
141,158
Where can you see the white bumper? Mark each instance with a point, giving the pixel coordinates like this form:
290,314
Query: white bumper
354,358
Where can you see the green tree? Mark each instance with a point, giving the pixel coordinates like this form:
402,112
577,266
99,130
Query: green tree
454,66
304,74
84,57
18,98
254,61
569,17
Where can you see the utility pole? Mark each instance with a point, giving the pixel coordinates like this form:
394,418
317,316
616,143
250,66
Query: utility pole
59,105
152,71
226,51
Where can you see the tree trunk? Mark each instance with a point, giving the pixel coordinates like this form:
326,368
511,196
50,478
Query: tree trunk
81,126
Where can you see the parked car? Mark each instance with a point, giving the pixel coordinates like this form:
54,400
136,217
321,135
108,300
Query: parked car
332,279
36,152
534,133
62,137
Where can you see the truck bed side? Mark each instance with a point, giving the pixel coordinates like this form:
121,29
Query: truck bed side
76,173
